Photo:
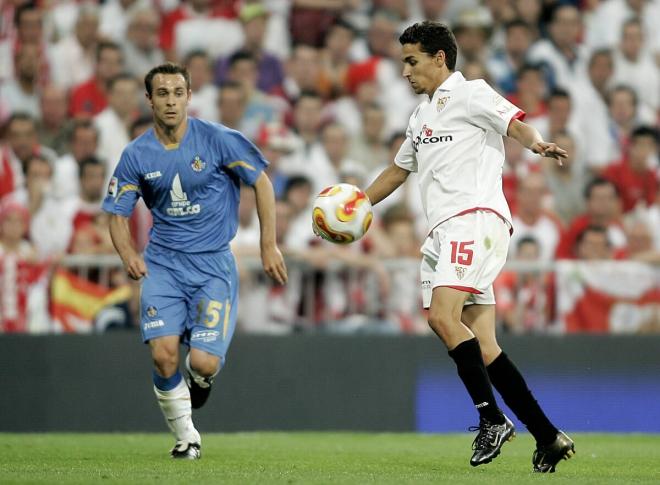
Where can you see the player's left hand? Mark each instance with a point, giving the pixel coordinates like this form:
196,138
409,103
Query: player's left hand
550,150
273,263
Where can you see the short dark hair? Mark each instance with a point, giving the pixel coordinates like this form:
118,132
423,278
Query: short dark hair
26,7
645,131
342,23
529,67
140,121
517,22
622,88
599,182
559,93
109,45
167,68
432,37
595,229
307,93
90,161
602,52
242,55
122,76
21,116
296,181
195,53
36,158
82,124
527,240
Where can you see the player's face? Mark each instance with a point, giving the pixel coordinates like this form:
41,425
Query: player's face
421,69
169,99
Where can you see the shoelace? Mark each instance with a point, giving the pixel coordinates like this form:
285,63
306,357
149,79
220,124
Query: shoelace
485,437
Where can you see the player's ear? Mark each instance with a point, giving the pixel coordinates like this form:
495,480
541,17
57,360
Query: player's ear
189,94
440,58
146,95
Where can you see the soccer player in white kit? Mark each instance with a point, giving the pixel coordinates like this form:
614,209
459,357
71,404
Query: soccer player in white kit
454,142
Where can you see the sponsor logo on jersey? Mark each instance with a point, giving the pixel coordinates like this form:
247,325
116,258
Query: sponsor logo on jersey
426,284
460,271
426,131
181,206
152,175
423,139
151,311
205,336
198,164
442,102
112,187
153,324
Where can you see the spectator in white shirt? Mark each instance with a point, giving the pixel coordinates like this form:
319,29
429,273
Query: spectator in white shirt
114,122
531,219
141,50
22,94
633,65
561,53
589,95
83,143
204,101
72,58
50,219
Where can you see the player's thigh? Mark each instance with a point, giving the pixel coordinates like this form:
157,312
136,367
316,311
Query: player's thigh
212,315
481,320
163,307
165,351
446,306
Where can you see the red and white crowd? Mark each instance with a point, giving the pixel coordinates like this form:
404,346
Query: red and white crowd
317,85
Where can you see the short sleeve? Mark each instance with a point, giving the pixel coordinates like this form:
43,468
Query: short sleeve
405,157
242,157
490,111
123,189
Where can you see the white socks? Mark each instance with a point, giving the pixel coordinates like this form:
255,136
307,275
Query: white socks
201,381
175,405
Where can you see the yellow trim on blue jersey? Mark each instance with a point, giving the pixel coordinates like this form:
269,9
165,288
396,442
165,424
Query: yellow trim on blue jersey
125,189
241,163
171,146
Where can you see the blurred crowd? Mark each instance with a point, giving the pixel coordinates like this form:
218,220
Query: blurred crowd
317,85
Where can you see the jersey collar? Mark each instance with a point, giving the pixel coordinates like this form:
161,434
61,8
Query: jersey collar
451,82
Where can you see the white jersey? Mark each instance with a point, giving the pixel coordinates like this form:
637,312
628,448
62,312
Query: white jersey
454,141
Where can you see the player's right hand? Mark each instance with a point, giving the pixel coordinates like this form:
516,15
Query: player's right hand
135,267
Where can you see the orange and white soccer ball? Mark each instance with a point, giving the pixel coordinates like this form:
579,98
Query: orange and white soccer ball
342,214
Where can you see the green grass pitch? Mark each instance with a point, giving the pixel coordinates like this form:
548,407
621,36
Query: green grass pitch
311,458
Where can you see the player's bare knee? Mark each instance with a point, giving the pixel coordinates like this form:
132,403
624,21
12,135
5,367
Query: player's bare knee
204,364
442,323
166,359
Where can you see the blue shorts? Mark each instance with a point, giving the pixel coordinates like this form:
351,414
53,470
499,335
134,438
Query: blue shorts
194,296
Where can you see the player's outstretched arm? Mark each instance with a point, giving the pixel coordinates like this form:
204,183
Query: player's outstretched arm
529,137
271,257
386,183
121,238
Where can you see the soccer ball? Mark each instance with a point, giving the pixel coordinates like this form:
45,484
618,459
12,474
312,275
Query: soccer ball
342,214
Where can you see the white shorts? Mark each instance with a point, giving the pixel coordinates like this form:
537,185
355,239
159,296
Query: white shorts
465,252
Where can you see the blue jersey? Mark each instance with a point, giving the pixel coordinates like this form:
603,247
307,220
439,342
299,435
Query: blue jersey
192,188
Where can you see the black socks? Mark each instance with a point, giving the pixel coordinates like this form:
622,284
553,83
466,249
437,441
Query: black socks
472,371
511,385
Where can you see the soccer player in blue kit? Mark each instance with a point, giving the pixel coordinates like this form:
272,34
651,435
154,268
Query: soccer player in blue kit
188,172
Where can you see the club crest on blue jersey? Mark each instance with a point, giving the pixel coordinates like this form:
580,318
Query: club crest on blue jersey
198,164
151,311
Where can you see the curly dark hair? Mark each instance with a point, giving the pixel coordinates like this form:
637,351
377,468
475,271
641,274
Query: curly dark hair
433,37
